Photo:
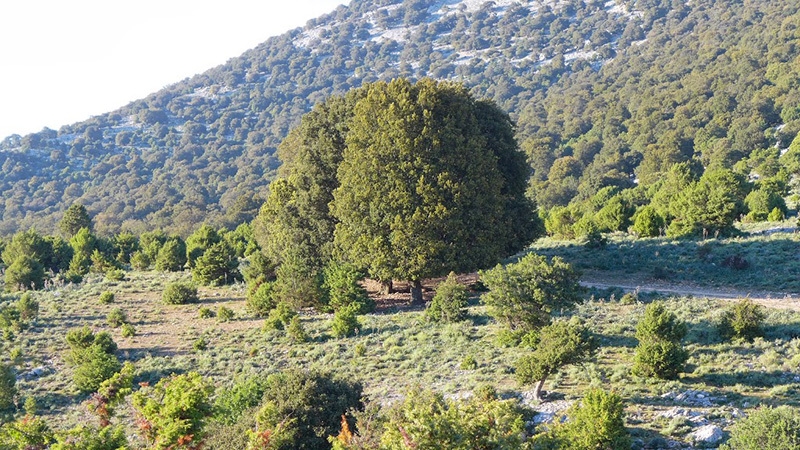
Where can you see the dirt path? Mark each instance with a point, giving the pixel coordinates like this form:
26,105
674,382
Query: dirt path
768,299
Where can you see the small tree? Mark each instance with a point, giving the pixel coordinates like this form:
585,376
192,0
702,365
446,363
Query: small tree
174,411
218,265
180,294
8,387
75,218
25,273
95,366
597,422
647,222
523,295
660,352
172,256
766,429
341,288
260,298
558,345
345,321
742,321
450,302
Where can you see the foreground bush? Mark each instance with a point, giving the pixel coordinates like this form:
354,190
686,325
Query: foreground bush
93,358
660,353
742,321
180,294
449,304
766,429
597,422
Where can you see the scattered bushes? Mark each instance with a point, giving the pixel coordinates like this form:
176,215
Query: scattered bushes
660,352
180,294
742,321
93,358
449,303
597,422
766,429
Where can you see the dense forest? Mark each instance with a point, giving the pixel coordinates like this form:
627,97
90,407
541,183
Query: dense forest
605,95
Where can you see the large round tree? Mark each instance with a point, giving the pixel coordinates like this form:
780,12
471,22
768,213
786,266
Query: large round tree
430,182
407,181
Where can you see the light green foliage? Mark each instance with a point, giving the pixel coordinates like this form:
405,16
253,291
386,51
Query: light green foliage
660,352
200,344
174,411
115,275
140,261
766,429
171,256
85,437
647,222
777,214
25,273
75,218
341,288
180,294
742,320
708,207
260,297
83,243
597,422
107,297
230,403
522,295
302,409
94,365
426,420
27,243
217,266
125,245
762,201
116,318
224,314
450,301
26,433
295,330
198,242
420,190
205,313
557,345
8,387
280,317
345,321
297,283
127,330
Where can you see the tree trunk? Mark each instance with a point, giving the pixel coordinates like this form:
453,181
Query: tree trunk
387,287
416,293
537,391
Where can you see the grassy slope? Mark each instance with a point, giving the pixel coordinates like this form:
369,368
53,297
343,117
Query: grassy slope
398,350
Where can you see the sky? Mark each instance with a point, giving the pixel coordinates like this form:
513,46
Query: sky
63,61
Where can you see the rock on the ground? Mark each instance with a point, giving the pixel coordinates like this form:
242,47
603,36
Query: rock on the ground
707,434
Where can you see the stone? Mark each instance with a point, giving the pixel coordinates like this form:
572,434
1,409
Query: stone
707,434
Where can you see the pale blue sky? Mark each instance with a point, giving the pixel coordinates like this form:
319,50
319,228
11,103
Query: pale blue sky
62,61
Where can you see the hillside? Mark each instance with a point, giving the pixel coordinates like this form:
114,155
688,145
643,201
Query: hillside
624,88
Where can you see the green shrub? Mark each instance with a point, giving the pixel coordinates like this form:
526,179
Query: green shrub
224,314
95,365
85,437
140,261
200,344
107,297
295,330
180,294
218,266
260,298
280,317
115,275
205,313
449,304
468,363
345,321
27,307
776,215
171,256
116,318
24,273
660,353
766,429
742,321
8,387
340,284
27,432
128,330
647,222
597,422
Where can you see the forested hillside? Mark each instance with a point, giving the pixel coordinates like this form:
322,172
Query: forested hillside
605,94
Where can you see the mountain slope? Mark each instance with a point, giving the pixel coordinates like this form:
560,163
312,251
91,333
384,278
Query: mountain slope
615,85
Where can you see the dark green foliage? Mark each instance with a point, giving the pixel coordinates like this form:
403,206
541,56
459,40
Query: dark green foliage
75,218
61,255
523,295
140,261
200,241
174,411
557,345
27,307
171,256
94,365
180,294
429,421
280,317
27,243
340,284
295,330
597,422
647,222
297,283
766,429
345,321
25,273
742,320
205,313
83,243
217,266
450,301
709,207
660,352
200,344
306,408
8,387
